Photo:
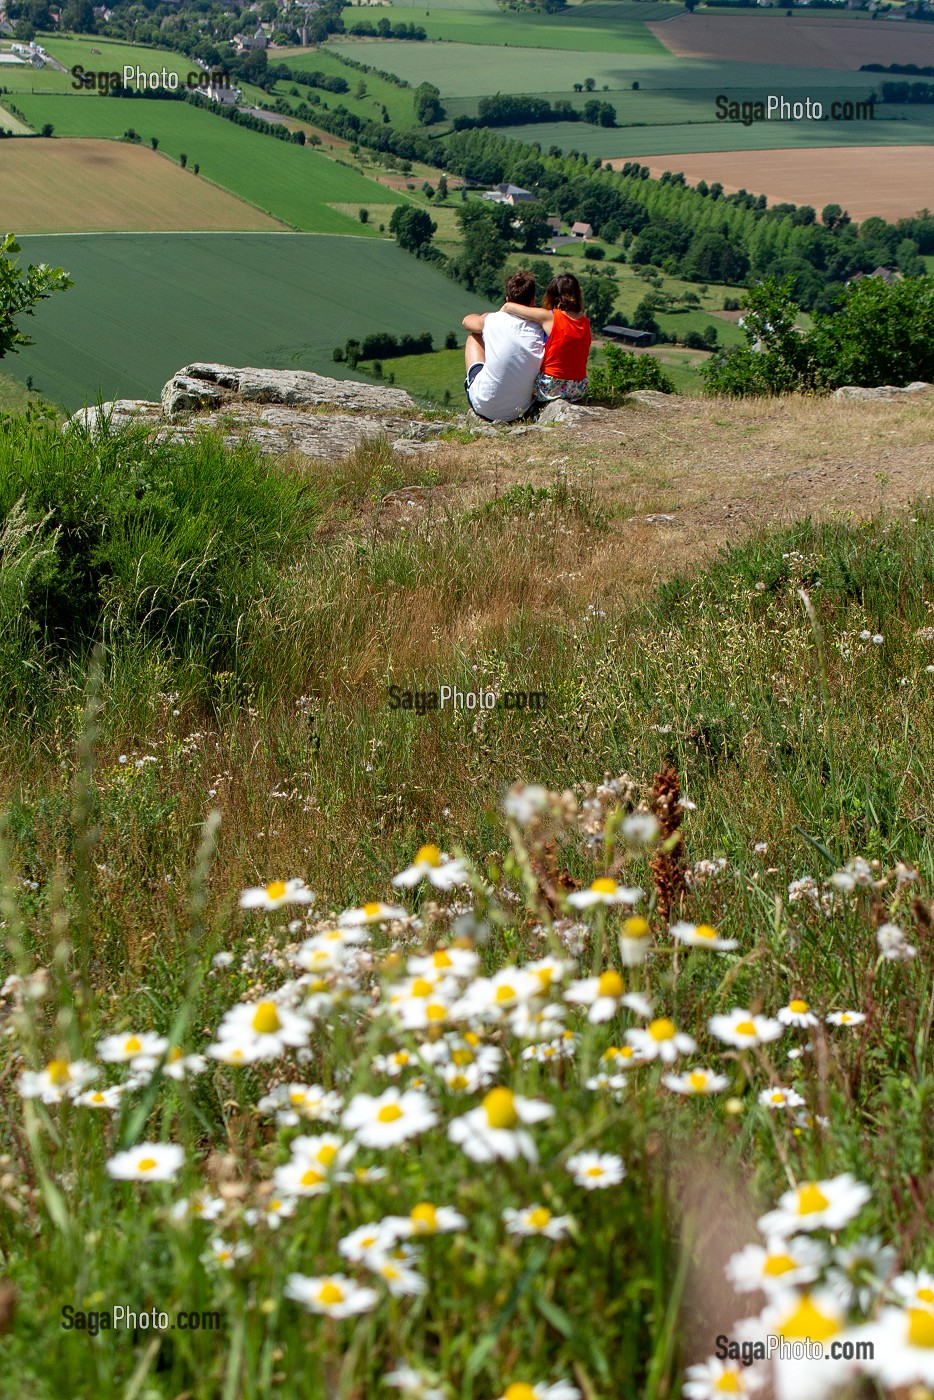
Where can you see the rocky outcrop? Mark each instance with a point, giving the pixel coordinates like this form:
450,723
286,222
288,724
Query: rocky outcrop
883,391
198,387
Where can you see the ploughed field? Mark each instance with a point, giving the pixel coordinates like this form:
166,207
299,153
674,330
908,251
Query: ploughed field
814,41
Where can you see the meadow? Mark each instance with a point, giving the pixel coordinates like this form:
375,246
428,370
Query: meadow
715,857
77,186
94,54
159,301
291,183
586,29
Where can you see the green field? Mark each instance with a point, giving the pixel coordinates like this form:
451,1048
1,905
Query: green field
399,102
589,28
10,123
293,183
79,49
143,305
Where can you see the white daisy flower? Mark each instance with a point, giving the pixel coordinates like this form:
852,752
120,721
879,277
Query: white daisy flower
604,892
743,1029
777,1097
524,801
696,1081
541,1390
200,1206
292,1102
640,829
177,1065
533,1021
373,913
412,1384
439,870
596,1170
603,1083
636,1002
660,1040
401,1281
101,1098
147,1161
713,1379
115,1049
267,1026
914,1290
536,1220
621,1057
902,1341
782,1264
549,970
236,1051
859,1271
333,1295
602,994
272,1212
315,1163
846,1018
551,1051
377,1236
465,1079
815,1205
60,1079
635,936
496,1128
275,894
797,1013
701,936
497,995
444,962
426,1219
389,1119
893,945
223,1254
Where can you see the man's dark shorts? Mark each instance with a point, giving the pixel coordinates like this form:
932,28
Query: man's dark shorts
471,376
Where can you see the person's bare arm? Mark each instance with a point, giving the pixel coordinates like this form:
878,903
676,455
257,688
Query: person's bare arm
538,314
474,322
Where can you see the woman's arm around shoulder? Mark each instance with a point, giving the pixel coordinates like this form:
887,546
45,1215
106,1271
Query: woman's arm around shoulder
538,314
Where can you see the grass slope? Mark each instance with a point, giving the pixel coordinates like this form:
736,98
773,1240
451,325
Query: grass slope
575,31
292,183
110,57
158,301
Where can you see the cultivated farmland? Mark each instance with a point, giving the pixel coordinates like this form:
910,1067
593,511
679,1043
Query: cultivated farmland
891,182
291,183
812,41
588,28
82,185
94,54
158,301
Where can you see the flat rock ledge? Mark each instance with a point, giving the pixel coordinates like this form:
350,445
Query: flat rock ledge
884,391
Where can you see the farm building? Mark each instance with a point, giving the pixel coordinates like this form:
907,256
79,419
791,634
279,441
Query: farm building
885,274
510,194
554,223
581,230
628,335
223,96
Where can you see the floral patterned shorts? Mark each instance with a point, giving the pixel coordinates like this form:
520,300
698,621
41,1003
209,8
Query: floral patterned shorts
548,388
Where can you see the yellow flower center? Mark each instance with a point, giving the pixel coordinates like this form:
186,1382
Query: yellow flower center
500,1107
594,1171
778,1096
266,1019
471,1037
610,985
728,1384
435,1011
463,1057
925,1295
458,1081
811,1199
276,889
442,958
920,1327
275,1205
421,987
389,1113
636,927
705,931
424,1218
697,1079
311,1177
505,993
98,1097
807,1321
146,1164
745,1028
175,1054
519,1390
428,855
58,1071
662,1029
371,909
133,1045
297,1096
778,1264
539,1217
604,885
798,1007
330,1293
326,1154
845,1018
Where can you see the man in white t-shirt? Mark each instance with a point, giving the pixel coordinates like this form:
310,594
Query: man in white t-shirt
504,355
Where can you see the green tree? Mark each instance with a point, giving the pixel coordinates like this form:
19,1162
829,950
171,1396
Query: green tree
20,289
412,228
599,296
428,107
620,371
485,247
78,16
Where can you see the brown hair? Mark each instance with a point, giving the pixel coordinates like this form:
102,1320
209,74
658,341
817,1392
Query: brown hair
520,287
563,292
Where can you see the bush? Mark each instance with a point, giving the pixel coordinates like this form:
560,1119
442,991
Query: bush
450,341
620,371
114,537
594,253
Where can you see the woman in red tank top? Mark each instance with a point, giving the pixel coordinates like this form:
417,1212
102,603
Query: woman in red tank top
563,374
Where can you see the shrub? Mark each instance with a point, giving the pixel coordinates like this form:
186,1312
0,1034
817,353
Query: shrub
594,253
620,371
